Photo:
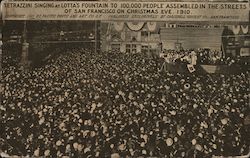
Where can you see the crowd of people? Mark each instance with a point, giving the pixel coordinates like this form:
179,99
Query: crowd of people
85,104
204,56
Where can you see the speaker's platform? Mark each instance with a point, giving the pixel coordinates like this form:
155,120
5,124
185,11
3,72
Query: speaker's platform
204,69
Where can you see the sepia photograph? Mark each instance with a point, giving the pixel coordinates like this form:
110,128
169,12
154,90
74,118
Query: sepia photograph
125,79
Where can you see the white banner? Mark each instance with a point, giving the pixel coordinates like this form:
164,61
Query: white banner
126,11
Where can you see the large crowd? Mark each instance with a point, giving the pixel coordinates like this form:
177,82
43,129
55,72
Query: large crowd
83,104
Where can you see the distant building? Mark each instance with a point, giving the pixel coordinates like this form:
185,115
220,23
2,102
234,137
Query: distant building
131,37
189,36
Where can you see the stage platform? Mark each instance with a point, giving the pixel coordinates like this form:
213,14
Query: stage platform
204,69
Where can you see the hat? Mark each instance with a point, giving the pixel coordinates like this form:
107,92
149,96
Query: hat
80,121
112,146
172,112
41,121
165,118
224,121
130,95
92,133
179,132
86,150
122,147
198,147
58,143
75,145
46,152
142,144
68,147
117,97
169,142
137,112
195,106
200,135
99,105
241,115
186,86
204,124
36,152
97,154
144,152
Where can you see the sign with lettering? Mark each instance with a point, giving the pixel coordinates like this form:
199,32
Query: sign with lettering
126,11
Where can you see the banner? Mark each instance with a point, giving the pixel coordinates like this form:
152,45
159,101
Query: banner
219,12
245,29
151,26
135,26
236,29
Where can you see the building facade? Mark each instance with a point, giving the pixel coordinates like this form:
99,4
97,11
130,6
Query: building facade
126,37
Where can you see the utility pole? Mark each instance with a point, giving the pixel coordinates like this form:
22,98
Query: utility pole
25,48
95,36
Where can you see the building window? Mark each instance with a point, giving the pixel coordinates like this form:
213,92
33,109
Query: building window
144,34
144,49
115,47
133,48
128,48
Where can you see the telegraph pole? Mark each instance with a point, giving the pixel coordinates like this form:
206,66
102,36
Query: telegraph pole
95,36
25,48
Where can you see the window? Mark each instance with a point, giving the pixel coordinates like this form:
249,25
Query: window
115,47
128,48
144,49
133,48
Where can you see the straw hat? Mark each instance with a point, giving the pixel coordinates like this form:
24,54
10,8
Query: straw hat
169,141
